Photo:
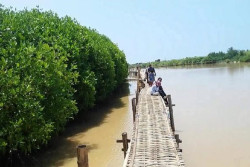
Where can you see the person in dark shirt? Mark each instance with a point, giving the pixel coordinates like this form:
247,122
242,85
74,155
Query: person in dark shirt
151,75
146,75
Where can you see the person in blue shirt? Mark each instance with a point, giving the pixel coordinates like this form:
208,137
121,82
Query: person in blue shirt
155,90
158,90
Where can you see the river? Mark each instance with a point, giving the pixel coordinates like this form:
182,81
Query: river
99,131
211,115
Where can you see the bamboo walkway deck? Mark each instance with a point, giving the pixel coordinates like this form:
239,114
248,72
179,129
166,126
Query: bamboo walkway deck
153,143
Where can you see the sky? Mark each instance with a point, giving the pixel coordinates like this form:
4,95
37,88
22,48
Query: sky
147,30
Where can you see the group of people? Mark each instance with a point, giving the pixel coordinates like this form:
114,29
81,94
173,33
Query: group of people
156,88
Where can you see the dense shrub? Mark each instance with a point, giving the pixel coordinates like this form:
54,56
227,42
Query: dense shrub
35,97
101,63
36,93
49,66
107,61
245,57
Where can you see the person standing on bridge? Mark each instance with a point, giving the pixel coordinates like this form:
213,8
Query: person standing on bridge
151,75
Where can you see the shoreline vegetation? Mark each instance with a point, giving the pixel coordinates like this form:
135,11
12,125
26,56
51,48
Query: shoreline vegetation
51,69
231,55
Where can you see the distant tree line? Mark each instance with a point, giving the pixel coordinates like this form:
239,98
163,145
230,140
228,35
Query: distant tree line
231,55
50,69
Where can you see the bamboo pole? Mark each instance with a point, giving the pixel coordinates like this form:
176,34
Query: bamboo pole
125,142
82,156
171,112
178,140
134,108
137,96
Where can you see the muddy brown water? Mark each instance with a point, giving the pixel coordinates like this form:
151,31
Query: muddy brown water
99,131
212,116
212,113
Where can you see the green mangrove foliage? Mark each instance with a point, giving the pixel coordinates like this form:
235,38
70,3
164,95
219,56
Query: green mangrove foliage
107,61
50,68
231,56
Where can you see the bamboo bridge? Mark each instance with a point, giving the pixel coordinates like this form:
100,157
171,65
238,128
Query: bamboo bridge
154,142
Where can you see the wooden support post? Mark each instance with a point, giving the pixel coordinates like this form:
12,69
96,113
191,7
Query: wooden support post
179,150
134,108
138,86
172,105
125,142
138,72
141,85
82,156
138,79
137,96
171,112
178,140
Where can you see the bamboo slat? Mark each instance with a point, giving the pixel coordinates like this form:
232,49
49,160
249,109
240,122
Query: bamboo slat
153,142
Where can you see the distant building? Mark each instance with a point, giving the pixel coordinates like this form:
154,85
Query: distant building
158,60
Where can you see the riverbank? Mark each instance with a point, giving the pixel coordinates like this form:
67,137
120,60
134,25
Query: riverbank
231,56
